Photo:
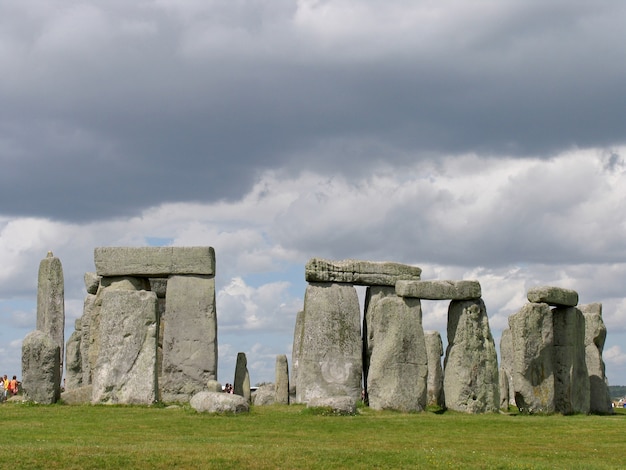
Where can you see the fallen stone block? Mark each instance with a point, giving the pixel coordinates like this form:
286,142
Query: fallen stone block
216,402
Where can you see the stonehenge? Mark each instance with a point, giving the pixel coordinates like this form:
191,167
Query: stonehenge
148,333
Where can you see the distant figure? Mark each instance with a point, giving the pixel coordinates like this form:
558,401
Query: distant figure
5,387
13,386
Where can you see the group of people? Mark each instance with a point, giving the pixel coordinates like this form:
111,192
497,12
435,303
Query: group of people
8,387
229,388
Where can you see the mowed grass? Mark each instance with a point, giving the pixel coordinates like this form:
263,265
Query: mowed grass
289,437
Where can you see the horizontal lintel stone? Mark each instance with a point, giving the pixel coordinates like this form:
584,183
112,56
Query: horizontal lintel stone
363,273
556,296
439,290
154,261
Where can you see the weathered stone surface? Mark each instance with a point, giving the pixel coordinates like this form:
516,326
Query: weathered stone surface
41,371
343,405
77,396
595,336
471,365
189,337
125,371
532,335
158,285
555,296
154,261
571,379
507,390
89,354
298,332
215,402
439,290
51,301
241,383
264,395
282,380
434,351
214,386
92,282
330,359
396,363
73,362
367,273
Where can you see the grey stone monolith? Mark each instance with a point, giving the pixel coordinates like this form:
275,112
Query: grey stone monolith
507,391
189,337
73,360
330,361
241,382
595,336
51,301
439,290
41,371
125,371
532,335
298,331
396,363
551,295
470,380
571,379
88,355
434,351
357,272
282,380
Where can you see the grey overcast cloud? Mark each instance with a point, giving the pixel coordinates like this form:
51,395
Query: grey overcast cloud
478,140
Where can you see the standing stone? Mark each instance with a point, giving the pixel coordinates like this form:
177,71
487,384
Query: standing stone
73,360
41,371
241,383
330,361
471,366
571,379
298,332
51,301
189,337
396,363
507,390
125,372
595,336
86,339
434,351
282,380
532,335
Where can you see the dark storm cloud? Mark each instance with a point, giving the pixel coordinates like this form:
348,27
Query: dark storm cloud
108,110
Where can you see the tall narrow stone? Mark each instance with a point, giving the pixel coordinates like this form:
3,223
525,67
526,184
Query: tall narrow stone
241,383
281,390
73,360
41,371
595,336
396,362
507,390
330,360
298,331
51,301
532,334
471,366
434,351
189,337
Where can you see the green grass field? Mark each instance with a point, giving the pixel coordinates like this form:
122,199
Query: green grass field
291,437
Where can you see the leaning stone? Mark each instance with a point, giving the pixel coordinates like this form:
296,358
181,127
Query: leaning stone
77,396
532,335
154,261
189,337
341,405
555,296
92,282
571,379
330,361
41,371
367,273
396,363
282,380
595,336
73,362
51,301
439,290
214,386
507,391
241,384
125,370
471,366
216,402
264,395
434,351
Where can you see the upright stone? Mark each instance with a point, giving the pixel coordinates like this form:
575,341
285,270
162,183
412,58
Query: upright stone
51,301
434,351
595,336
41,371
241,383
571,379
281,390
471,366
330,360
189,337
125,371
396,363
73,360
532,335
298,332
507,390
367,273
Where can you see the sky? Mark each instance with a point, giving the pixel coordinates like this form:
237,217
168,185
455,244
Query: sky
477,140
